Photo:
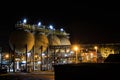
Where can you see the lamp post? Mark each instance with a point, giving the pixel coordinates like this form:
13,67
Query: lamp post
41,58
76,59
0,57
96,48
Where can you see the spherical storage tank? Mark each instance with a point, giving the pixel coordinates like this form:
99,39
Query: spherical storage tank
20,39
53,40
64,40
40,40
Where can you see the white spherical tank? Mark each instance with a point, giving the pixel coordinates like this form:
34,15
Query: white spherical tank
19,39
53,40
40,40
64,40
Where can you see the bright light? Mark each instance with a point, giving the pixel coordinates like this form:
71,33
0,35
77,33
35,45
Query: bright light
25,21
6,56
71,52
96,47
75,48
39,62
39,23
43,54
36,56
17,59
23,61
65,55
17,65
61,29
51,27
64,61
67,50
91,55
28,54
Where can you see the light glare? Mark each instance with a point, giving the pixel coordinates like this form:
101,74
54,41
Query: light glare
51,27
25,21
39,23
61,29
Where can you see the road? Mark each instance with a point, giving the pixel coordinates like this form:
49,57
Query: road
28,76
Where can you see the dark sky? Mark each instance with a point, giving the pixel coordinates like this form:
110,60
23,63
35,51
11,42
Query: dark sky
87,22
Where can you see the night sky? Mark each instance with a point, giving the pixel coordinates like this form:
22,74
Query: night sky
86,22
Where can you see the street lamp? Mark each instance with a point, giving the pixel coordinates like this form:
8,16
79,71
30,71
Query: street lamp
24,21
76,49
6,56
39,24
96,48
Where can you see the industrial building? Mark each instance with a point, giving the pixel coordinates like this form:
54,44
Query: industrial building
39,48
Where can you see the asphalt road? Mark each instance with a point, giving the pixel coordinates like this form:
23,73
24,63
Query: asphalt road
26,76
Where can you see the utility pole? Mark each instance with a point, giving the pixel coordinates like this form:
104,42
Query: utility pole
26,56
41,57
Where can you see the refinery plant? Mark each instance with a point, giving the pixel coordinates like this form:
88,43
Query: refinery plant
36,47
39,48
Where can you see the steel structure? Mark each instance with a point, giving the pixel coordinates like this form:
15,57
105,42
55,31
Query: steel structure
41,28
52,53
